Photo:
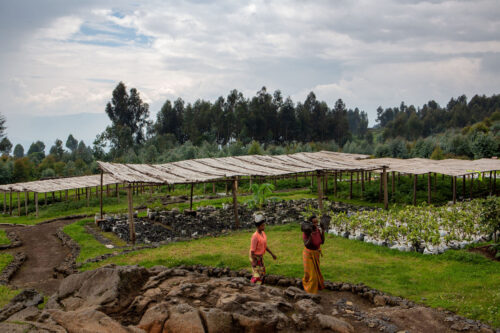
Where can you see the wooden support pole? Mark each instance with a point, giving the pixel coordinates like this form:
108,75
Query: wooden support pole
18,204
117,191
100,198
4,202
235,203
191,198
320,190
36,203
369,177
131,214
78,194
45,198
325,177
429,188
227,190
350,185
495,182
312,179
386,194
53,197
26,195
10,203
454,189
213,187
414,190
87,192
357,177
107,191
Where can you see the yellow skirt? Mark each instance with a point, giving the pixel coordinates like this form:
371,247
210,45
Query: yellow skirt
258,269
312,280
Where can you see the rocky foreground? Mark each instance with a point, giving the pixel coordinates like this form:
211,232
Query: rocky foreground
200,299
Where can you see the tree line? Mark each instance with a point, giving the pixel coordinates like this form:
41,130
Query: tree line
263,124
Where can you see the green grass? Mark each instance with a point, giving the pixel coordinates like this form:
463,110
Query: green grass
6,293
457,280
3,238
89,246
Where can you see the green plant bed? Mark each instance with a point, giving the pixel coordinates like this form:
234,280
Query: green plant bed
89,246
460,281
4,240
6,293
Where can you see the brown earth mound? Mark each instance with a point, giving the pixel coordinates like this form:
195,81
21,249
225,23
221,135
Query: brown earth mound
134,299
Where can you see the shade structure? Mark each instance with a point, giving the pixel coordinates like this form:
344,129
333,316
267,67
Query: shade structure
213,169
59,184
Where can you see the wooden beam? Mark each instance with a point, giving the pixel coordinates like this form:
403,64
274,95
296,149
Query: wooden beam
100,199
320,190
235,203
463,187
429,188
454,189
36,203
414,190
18,204
26,195
131,226
386,194
191,198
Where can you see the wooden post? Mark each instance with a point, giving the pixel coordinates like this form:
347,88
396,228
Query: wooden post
429,188
53,197
18,203
117,190
386,194
235,203
463,187
362,183
36,203
350,185
414,190
227,190
335,185
191,198
213,187
320,190
87,192
10,203
66,194
454,189
131,214
357,177
107,191
4,202
26,195
495,182
325,177
312,179
369,177
78,194
100,199
45,198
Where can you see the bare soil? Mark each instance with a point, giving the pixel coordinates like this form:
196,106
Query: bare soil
44,251
485,251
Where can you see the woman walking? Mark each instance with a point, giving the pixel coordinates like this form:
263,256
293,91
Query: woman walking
313,238
258,247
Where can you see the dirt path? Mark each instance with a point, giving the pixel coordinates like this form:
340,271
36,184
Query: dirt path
44,251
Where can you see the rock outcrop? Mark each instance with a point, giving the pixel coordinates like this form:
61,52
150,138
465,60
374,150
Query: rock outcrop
191,299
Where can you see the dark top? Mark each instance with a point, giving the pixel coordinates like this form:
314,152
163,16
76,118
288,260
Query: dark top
316,240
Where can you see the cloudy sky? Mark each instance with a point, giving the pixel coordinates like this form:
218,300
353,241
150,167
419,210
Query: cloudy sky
61,59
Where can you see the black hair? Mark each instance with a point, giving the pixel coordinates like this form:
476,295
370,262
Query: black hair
312,218
258,224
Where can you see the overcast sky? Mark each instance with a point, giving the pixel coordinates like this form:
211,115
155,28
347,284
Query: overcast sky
61,59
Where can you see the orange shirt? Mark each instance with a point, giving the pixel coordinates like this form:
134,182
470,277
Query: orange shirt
259,243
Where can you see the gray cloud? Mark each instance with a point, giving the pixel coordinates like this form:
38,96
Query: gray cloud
64,57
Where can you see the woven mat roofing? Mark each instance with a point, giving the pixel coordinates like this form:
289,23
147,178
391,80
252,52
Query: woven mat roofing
210,169
60,184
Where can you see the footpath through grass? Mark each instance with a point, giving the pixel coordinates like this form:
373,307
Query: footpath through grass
457,280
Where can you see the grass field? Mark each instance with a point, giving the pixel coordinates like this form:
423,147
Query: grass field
3,238
6,293
457,280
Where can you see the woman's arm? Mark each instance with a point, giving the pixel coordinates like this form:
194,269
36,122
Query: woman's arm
269,250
